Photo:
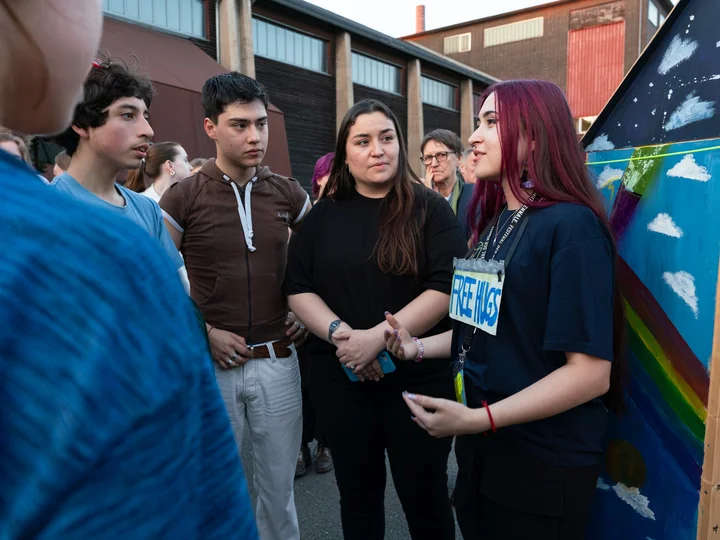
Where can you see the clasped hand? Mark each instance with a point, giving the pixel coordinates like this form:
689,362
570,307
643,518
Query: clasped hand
358,351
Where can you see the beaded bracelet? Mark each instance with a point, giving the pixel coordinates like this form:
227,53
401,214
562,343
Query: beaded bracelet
421,348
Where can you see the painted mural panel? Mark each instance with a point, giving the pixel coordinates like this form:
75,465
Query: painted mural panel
661,202
655,155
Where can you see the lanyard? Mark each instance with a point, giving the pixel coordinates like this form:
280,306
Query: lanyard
467,341
517,217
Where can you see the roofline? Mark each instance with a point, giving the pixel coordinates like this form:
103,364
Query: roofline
406,48
667,3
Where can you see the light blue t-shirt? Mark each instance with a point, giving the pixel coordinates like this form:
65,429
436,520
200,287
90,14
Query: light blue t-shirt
111,423
138,209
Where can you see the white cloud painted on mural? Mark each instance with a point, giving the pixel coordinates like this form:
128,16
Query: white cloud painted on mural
693,109
683,284
639,502
664,224
602,485
608,176
688,168
677,52
600,143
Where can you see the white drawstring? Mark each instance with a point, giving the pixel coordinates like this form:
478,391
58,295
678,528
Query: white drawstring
245,211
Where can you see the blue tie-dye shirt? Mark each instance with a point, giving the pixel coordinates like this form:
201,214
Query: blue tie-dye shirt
111,424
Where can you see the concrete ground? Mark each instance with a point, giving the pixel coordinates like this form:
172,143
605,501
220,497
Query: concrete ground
318,502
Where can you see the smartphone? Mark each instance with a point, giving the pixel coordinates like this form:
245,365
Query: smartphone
386,364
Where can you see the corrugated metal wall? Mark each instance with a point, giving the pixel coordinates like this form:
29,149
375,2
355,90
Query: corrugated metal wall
595,66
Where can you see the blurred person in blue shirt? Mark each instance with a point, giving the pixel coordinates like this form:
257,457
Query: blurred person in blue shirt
111,423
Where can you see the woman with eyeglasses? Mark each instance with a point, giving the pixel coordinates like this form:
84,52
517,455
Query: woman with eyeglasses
441,152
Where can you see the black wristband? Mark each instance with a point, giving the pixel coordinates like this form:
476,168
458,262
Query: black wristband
333,326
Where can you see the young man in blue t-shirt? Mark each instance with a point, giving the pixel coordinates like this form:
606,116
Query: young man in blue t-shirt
110,133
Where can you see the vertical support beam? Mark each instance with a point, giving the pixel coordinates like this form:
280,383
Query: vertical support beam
228,18
247,49
709,505
343,77
467,120
415,116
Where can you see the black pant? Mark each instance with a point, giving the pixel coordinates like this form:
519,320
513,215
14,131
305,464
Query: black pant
505,493
361,422
311,427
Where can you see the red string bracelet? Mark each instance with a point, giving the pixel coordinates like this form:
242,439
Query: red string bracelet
492,422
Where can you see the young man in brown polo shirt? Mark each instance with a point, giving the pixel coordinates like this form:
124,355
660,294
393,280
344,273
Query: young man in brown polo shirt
230,221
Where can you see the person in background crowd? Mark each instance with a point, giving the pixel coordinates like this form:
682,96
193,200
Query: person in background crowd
165,164
321,173
111,133
441,149
536,373
196,164
62,163
311,427
377,240
231,220
109,402
467,166
12,144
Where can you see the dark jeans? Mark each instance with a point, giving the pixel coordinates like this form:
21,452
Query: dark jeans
361,422
505,493
311,427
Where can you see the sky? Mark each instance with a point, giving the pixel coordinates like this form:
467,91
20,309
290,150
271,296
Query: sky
397,17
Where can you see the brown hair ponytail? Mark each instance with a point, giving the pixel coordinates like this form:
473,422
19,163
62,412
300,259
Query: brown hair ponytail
142,178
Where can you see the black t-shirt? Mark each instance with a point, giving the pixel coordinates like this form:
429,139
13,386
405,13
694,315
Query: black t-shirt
557,298
333,256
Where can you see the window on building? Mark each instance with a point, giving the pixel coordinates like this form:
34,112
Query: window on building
653,13
186,17
517,31
440,94
457,44
284,45
584,123
662,19
375,74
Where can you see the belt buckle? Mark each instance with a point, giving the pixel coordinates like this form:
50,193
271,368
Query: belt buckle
251,348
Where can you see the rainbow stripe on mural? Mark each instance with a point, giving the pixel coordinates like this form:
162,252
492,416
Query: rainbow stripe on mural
669,383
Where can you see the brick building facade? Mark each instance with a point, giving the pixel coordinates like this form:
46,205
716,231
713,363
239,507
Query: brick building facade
584,46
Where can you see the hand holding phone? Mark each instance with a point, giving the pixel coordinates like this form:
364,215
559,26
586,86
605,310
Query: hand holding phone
386,364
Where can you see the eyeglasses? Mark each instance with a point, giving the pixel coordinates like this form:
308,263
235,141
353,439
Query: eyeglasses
440,157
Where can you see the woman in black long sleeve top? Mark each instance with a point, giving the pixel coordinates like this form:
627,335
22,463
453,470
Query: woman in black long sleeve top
377,241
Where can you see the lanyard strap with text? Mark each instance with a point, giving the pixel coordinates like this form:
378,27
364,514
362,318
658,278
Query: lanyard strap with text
508,231
467,340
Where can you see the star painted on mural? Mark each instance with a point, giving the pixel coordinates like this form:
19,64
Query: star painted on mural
717,488
715,529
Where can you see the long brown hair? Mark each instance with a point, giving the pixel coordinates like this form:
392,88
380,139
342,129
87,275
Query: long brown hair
141,178
398,248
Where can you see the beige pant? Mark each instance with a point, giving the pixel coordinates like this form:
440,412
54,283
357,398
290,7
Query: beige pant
265,393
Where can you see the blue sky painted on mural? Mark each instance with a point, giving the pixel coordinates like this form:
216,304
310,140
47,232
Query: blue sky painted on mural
689,203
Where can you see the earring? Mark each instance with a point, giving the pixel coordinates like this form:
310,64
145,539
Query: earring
172,173
525,182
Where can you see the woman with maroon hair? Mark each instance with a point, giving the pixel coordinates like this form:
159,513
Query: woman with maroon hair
538,335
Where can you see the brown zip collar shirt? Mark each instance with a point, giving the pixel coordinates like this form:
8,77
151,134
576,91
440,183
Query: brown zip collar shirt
235,246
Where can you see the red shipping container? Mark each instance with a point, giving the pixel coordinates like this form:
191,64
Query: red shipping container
595,66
